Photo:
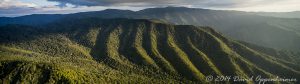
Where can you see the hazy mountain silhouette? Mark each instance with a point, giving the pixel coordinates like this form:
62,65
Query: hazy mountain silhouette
279,33
94,50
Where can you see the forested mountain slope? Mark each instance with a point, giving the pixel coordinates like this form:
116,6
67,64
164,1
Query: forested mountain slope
273,32
93,50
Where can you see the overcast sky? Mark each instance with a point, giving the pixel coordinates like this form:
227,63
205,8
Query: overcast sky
24,7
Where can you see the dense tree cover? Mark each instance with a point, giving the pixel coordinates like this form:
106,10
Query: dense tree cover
255,28
93,50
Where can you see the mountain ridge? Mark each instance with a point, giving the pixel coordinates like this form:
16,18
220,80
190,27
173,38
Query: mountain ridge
150,51
272,32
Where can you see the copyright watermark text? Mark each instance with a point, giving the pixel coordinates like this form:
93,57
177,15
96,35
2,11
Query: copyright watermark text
258,79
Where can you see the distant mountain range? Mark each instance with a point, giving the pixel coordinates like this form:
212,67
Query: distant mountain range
255,28
295,14
97,50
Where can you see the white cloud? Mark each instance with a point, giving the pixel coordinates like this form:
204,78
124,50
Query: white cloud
12,8
276,6
15,3
25,7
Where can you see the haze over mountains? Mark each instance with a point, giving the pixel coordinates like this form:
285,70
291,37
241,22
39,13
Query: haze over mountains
156,45
295,14
279,33
92,50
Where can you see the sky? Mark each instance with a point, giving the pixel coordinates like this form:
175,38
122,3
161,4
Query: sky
12,8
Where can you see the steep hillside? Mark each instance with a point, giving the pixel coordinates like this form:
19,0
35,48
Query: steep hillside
35,19
94,50
279,33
